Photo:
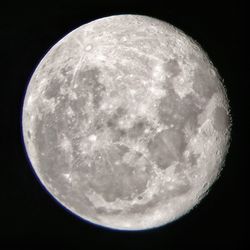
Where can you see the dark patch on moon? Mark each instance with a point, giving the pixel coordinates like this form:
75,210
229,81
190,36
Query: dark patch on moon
49,154
172,67
176,111
193,158
112,124
124,176
178,190
137,130
88,80
29,134
104,211
53,88
204,82
167,147
220,119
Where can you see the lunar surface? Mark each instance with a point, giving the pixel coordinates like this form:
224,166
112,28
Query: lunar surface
126,122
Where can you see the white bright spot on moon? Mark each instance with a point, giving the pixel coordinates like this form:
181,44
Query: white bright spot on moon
92,138
88,48
131,134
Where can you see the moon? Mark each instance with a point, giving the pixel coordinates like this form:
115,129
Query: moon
126,122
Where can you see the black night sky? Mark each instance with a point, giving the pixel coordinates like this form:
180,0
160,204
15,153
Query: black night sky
29,215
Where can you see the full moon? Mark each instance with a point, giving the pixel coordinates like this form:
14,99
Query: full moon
126,122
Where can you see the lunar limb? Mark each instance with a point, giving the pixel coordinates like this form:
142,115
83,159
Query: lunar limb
126,122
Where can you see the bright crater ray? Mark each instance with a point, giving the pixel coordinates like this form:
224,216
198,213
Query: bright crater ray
126,122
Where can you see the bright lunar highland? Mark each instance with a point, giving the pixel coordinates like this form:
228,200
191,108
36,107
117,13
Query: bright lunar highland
126,122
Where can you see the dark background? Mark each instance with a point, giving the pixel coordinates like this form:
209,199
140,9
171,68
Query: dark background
29,216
